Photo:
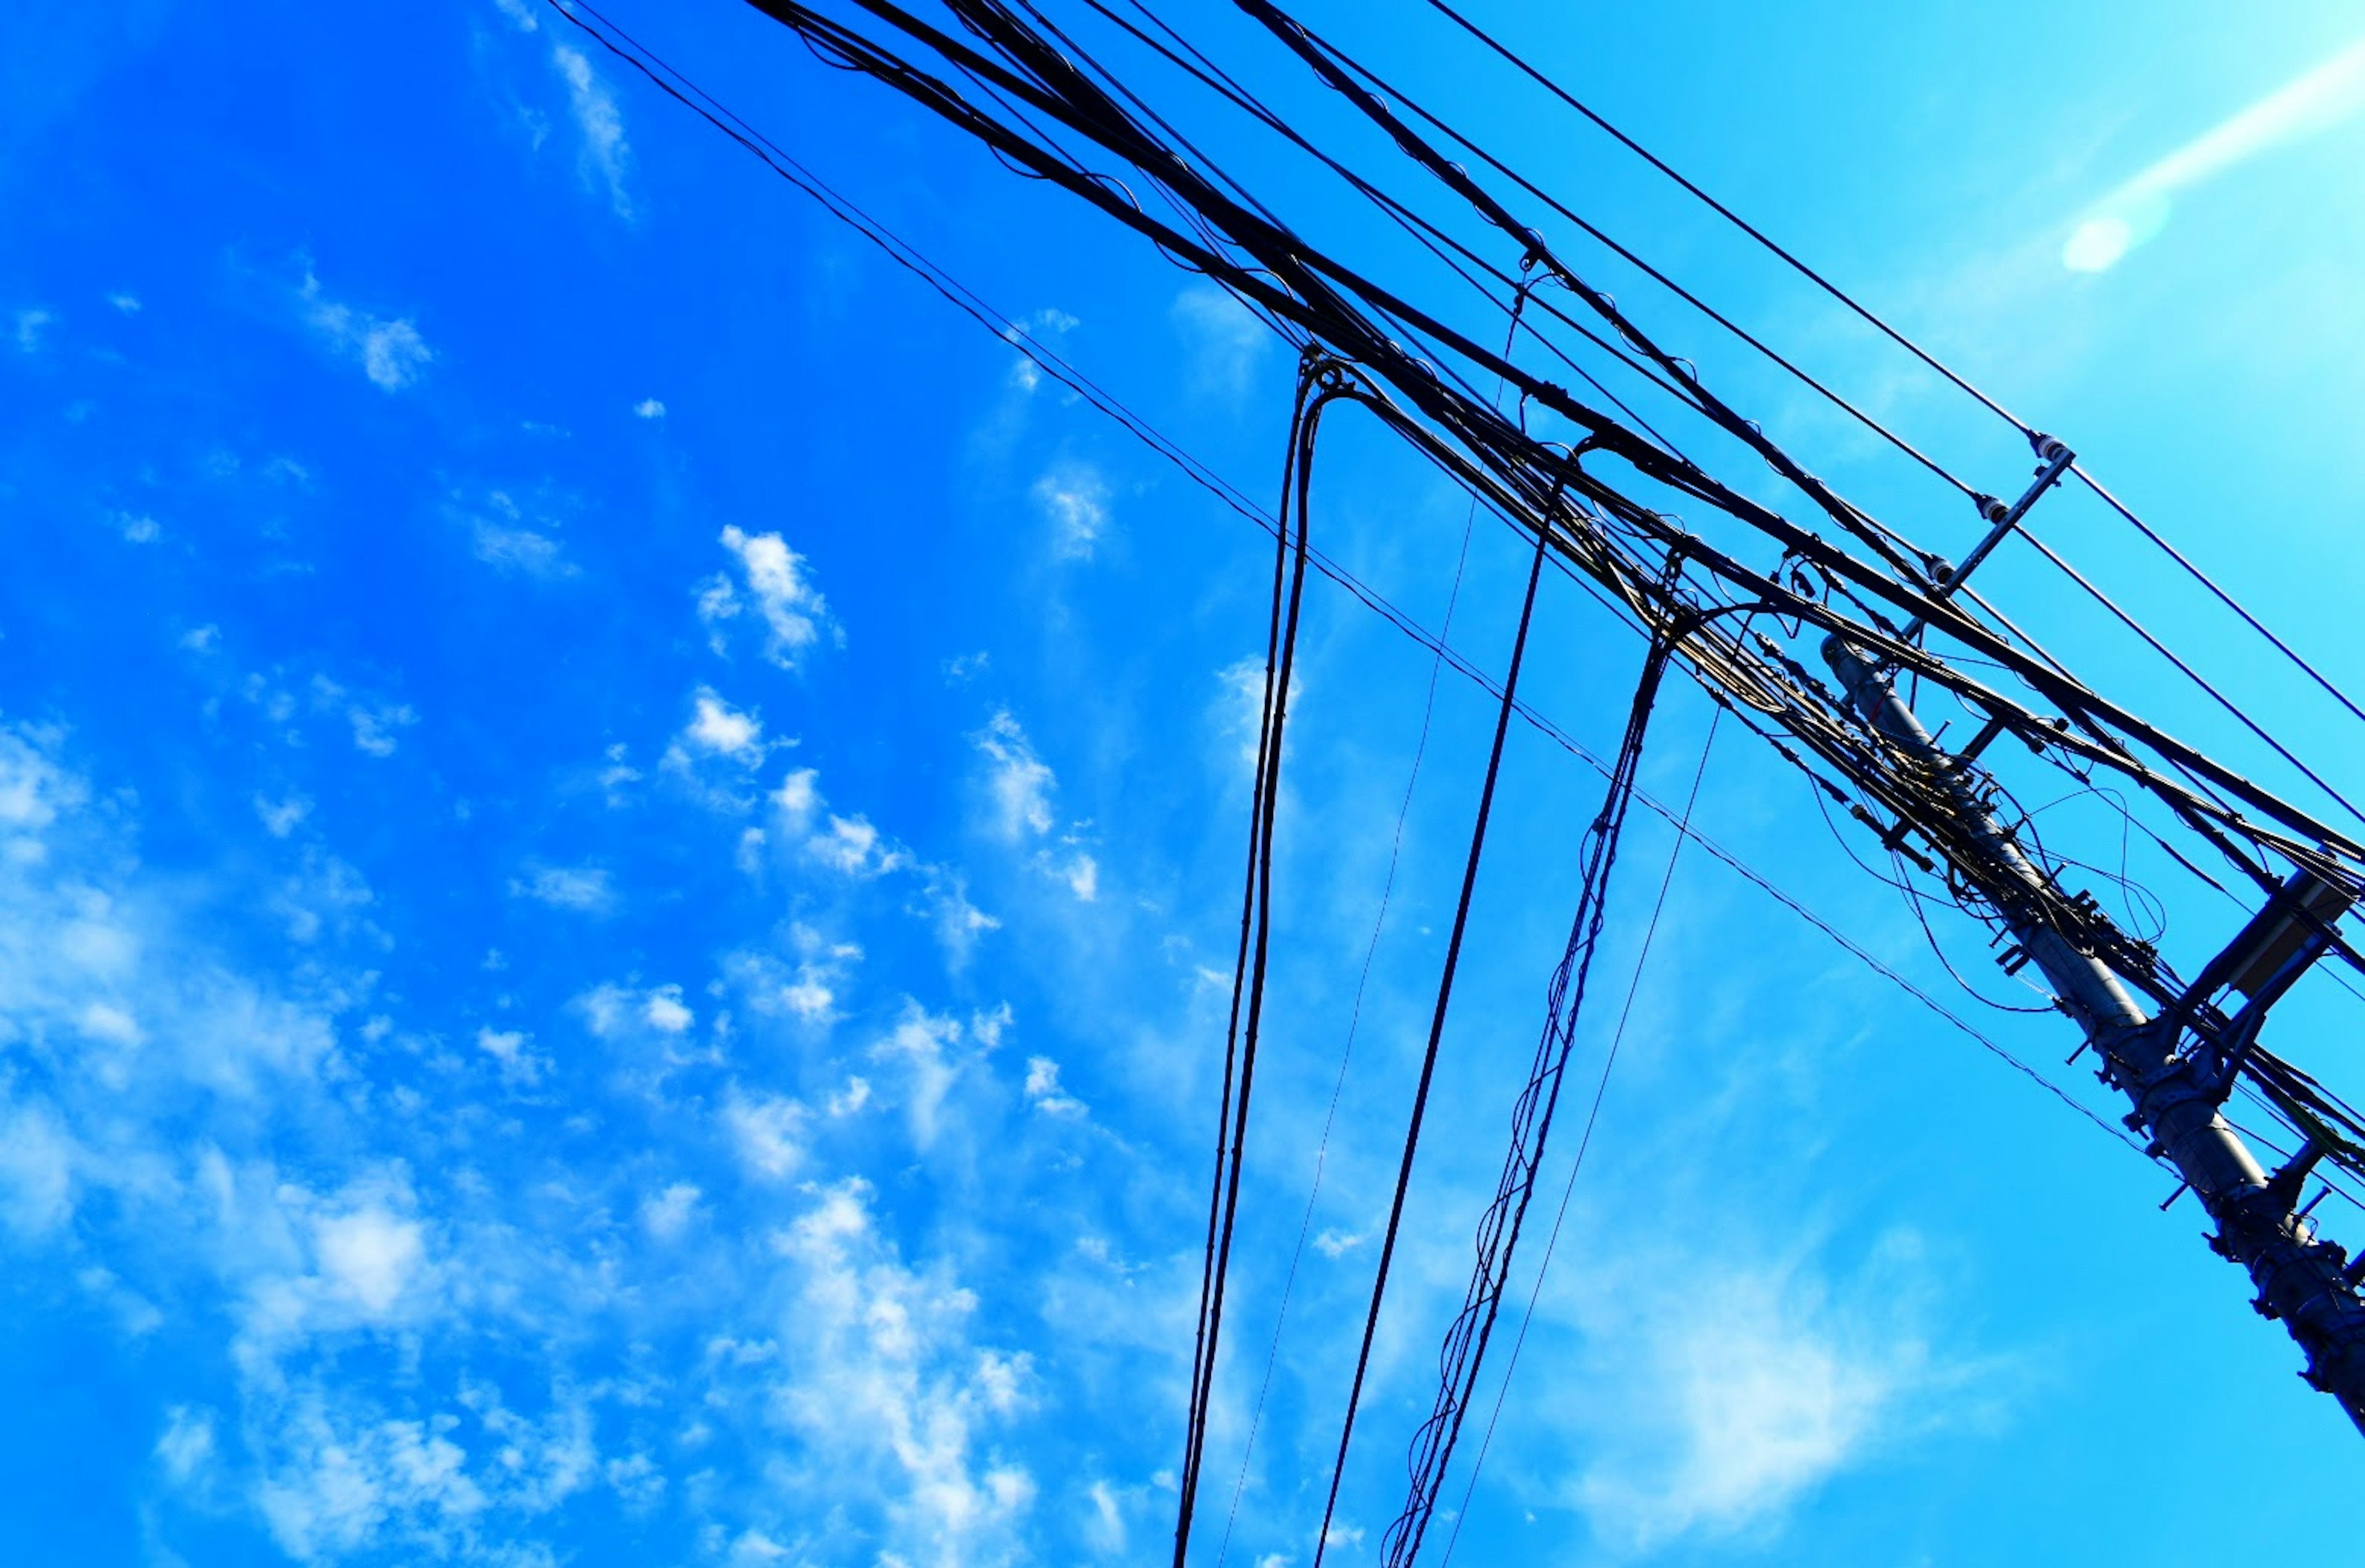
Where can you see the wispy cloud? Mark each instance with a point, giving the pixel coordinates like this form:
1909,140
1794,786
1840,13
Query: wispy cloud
775,576
391,351
1730,1397
31,327
2307,105
1075,498
606,153
1227,342
583,889
1020,786
505,538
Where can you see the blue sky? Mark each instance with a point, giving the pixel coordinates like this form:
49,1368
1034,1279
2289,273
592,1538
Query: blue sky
619,827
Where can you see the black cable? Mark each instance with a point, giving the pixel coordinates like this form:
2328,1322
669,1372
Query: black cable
1436,1033
1499,1228
1680,292
1894,336
1355,1013
2224,598
1584,1140
1280,652
1429,235
2190,673
966,300
1809,274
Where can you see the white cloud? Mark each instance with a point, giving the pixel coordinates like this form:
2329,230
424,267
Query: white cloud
279,818
1227,342
649,408
38,1166
126,303
512,1049
508,543
793,611
370,1255
797,797
1020,783
1727,1391
768,1133
606,154
391,352
520,550
667,1214
341,1487
1241,704
922,1044
1335,1243
630,1015
853,847
1044,1092
958,923
881,1377
31,327
1075,498
138,530
1047,325
187,1445
2307,105
584,887
374,727
719,728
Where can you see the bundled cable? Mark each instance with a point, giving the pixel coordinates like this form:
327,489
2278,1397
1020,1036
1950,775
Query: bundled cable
1318,384
1531,1120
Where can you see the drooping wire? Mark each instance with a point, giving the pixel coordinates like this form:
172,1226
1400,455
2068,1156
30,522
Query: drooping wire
682,89
1256,929
1463,1353
1436,1033
1585,1138
1363,982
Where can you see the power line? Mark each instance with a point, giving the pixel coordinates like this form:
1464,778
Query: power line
1355,1013
1584,1140
959,294
1256,935
2191,674
1871,319
1436,1033
2224,598
1809,274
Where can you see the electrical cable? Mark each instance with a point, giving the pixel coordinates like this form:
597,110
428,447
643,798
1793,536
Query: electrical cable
1463,1353
1355,1013
1809,274
1584,1140
1436,1033
2190,673
1843,297
1232,1118
2224,598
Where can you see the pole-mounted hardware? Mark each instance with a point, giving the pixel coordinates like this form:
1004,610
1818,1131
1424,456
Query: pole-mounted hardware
2308,1284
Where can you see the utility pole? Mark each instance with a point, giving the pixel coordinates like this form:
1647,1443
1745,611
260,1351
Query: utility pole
2305,1282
